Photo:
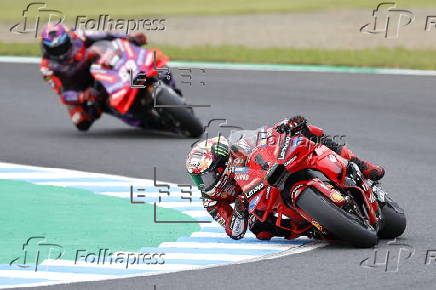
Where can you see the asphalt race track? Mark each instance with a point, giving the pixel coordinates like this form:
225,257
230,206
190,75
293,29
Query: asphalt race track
386,118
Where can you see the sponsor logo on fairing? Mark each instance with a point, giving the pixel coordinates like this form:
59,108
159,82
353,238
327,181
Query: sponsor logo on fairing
258,187
336,196
317,225
268,190
284,148
290,161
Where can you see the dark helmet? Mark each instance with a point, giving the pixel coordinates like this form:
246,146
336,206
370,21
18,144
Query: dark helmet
56,42
207,161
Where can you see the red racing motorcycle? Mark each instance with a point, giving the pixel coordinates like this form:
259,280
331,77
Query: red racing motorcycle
139,88
305,188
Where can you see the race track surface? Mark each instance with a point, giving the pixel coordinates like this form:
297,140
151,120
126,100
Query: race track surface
388,119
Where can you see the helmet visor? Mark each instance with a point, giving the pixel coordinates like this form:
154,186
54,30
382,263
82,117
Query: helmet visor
205,181
59,51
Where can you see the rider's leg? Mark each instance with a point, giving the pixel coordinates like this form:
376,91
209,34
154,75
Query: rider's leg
263,231
369,170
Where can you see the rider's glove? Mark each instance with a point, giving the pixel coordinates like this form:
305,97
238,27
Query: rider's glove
239,221
297,123
293,125
137,38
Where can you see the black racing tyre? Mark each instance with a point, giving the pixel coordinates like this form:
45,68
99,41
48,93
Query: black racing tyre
341,224
394,222
189,124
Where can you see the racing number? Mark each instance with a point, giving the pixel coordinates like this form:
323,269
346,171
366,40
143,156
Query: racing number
123,73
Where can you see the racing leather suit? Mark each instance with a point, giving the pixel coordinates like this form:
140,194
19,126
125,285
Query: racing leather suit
236,220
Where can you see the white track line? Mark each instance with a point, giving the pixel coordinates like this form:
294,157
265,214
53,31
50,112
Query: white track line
69,277
189,255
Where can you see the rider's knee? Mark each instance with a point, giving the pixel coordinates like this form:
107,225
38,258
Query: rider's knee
84,125
264,235
80,118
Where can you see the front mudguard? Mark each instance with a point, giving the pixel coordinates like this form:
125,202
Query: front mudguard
326,189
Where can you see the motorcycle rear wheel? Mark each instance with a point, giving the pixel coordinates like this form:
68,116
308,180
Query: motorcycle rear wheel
341,224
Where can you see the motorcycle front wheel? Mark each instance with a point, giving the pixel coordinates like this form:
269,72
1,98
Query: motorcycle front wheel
173,107
394,220
341,224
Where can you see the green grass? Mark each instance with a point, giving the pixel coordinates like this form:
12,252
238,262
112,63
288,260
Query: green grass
78,219
11,9
380,57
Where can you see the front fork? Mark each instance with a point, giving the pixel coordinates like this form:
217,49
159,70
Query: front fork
383,197
167,78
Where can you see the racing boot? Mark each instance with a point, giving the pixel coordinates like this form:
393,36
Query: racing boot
368,169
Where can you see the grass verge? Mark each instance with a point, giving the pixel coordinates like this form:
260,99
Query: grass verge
379,57
78,219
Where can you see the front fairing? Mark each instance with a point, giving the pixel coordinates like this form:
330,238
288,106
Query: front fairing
117,63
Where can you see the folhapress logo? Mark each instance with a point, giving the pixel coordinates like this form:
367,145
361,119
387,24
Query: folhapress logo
32,17
388,20
395,254
35,250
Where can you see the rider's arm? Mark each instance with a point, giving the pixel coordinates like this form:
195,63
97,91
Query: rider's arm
315,134
49,76
234,221
300,124
67,97
73,97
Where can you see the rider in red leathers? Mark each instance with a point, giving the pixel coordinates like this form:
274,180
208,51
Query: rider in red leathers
212,165
65,65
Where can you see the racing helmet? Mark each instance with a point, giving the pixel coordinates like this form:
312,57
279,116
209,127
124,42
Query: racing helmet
207,161
56,42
